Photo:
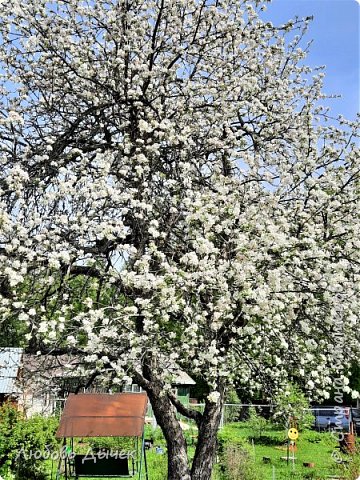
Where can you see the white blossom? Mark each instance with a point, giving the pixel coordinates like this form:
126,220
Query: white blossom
178,195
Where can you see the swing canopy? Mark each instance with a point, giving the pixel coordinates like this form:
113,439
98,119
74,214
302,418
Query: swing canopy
103,415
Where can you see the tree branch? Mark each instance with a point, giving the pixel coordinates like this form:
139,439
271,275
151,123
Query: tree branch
180,407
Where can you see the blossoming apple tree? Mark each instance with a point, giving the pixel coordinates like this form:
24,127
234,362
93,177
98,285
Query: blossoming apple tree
173,195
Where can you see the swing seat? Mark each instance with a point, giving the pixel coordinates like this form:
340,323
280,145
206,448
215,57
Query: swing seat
92,415
98,466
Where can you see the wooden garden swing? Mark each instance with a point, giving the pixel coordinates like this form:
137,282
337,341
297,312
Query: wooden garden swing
103,415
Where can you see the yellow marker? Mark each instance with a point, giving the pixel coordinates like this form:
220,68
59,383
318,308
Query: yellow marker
293,434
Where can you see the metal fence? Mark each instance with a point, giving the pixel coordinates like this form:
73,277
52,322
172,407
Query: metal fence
325,418
231,412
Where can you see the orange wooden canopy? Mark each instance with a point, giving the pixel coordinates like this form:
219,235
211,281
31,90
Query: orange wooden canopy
103,415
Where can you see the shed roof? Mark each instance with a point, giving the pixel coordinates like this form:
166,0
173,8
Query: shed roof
103,415
10,360
183,378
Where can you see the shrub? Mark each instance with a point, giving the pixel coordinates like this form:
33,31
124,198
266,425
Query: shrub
256,422
236,463
230,435
20,438
108,443
232,412
323,437
292,404
155,434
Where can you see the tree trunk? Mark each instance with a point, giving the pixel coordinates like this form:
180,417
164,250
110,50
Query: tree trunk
165,413
206,448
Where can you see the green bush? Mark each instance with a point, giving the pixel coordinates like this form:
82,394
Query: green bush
230,435
156,435
24,443
292,407
107,443
256,422
232,412
237,463
325,438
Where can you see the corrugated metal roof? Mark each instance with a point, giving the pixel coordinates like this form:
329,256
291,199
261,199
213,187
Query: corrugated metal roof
10,360
103,415
183,378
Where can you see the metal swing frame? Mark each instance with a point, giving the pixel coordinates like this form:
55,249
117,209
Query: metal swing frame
103,415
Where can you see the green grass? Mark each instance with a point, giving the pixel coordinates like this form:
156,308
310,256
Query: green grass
157,463
157,468
311,447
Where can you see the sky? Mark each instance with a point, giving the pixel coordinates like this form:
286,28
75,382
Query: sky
335,33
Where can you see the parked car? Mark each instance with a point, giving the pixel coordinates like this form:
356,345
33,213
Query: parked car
355,418
329,418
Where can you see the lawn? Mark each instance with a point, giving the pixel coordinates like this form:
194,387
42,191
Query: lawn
271,443
270,446
157,468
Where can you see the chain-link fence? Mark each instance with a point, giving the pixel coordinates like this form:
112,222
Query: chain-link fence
324,418
231,412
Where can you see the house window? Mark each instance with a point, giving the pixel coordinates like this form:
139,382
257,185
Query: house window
133,388
69,385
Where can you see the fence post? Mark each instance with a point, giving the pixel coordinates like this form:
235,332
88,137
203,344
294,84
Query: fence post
222,416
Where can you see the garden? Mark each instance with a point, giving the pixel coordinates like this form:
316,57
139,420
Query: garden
255,449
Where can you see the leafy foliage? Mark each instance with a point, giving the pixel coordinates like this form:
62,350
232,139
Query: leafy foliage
24,442
237,464
256,422
292,408
235,458
116,444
